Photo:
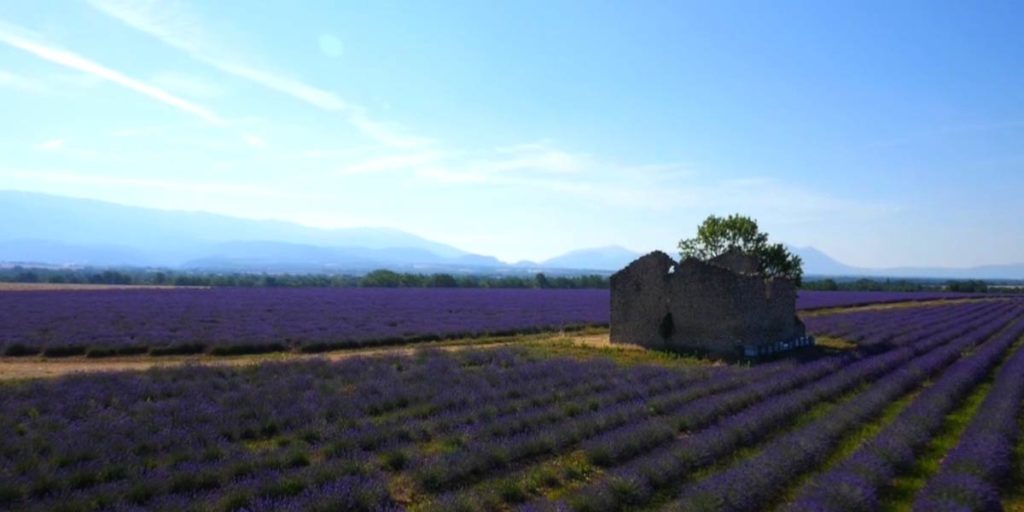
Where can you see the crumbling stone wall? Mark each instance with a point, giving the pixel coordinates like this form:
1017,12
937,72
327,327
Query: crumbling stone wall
715,306
737,261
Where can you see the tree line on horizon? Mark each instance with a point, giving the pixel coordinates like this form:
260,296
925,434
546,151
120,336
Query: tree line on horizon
390,279
376,279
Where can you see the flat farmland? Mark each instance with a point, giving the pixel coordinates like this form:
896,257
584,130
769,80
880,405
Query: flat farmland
225,321
117,321
916,407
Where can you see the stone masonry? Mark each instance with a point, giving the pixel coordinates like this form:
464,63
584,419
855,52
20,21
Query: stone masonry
719,306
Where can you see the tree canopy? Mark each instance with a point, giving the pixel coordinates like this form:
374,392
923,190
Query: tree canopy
718,235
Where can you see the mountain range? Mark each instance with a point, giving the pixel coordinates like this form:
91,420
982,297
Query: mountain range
43,229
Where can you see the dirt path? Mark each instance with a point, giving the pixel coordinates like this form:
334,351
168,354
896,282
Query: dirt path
39,367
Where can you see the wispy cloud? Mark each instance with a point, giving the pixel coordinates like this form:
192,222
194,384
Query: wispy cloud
67,148
659,188
23,40
179,186
254,140
176,26
336,153
535,157
50,145
136,131
478,166
386,133
330,45
399,162
188,85
19,82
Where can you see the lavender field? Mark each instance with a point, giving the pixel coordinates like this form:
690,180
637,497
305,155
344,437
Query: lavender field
922,413
812,299
239,320
100,323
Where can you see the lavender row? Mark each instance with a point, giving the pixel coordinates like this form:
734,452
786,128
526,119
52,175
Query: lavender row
651,431
226,320
643,436
880,328
854,482
848,324
553,429
858,325
941,324
972,472
549,408
747,485
160,439
238,320
59,424
635,482
813,299
497,417
276,436
672,416
494,402
543,395
707,410
497,430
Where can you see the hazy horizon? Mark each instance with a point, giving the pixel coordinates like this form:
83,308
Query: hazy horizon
884,135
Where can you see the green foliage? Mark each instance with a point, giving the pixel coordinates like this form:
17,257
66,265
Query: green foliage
905,285
542,281
443,281
969,286
868,285
828,285
718,235
381,279
776,260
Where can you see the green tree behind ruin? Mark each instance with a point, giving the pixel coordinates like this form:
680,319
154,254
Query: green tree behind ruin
718,235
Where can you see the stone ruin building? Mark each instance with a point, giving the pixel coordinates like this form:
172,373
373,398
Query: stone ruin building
724,306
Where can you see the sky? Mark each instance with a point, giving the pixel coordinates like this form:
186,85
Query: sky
885,133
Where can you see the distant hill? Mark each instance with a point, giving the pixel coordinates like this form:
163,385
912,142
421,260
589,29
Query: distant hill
62,230
817,263
30,215
600,258
992,272
54,230
58,253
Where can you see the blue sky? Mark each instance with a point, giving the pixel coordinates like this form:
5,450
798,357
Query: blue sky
884,133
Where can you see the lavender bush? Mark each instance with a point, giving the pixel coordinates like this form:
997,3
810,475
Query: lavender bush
235,320
243,320
671,465
449,431
875,463
972,472
814,299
